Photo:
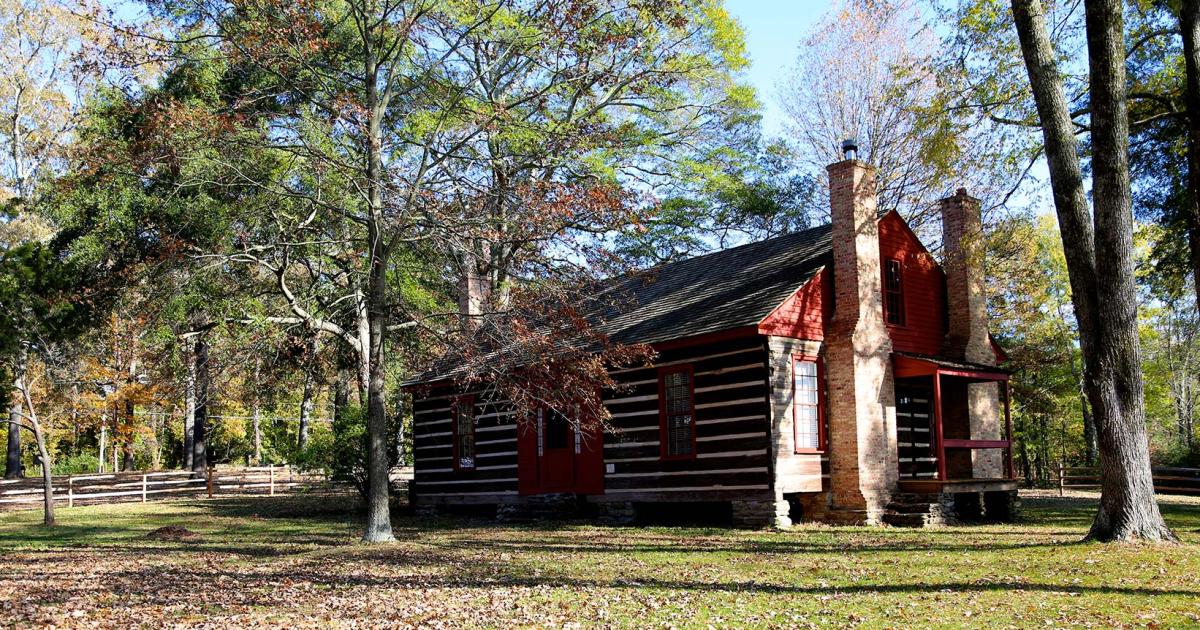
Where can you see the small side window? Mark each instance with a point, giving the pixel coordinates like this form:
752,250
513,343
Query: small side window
807,404
893,292
678,407
464,433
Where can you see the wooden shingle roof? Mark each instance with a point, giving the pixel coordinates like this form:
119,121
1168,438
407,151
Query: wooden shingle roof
727,289
724,290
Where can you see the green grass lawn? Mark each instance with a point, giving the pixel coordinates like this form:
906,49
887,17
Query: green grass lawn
295,562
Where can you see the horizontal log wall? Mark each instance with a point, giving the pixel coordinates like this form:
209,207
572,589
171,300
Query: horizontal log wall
495,475
732,445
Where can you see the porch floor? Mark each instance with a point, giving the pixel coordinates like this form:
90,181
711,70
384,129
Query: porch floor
937,486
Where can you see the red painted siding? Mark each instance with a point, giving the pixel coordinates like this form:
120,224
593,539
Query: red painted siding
804,314
924,288
527,458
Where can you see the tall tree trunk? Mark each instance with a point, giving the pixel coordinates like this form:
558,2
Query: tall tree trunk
12,463
1089,423
127,442
1128,507
35,425
200,422
364,342
47,479
103,443
306,402
306,409
189,414
1189,27
379,520
1106,312
256,414
156,427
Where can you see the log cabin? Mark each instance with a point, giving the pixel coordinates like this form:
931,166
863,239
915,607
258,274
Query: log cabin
837,374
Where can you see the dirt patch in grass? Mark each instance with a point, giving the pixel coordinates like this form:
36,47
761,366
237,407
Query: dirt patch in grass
172,533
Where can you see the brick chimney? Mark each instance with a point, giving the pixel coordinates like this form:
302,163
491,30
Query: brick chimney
472,291
862,419
966,303
967,334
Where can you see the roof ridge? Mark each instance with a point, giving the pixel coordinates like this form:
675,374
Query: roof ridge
735,248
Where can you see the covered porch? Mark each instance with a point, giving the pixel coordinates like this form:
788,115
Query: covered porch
954,426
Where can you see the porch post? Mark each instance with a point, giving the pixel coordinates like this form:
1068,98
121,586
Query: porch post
937,424
1008,429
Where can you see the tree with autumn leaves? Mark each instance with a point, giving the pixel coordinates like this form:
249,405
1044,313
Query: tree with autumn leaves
381,154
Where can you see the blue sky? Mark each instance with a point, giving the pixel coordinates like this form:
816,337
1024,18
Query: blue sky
773,32
773,29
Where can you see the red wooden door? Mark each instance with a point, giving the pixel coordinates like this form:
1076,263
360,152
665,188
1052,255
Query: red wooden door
554,456
557,459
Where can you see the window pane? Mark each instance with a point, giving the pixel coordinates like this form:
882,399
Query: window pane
806,405
557,429
679,435
893,290
677,400
678,392
465,434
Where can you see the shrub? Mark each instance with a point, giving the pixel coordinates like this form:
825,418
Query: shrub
75,464
341,454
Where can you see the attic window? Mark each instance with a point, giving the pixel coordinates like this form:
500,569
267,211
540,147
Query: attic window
893,292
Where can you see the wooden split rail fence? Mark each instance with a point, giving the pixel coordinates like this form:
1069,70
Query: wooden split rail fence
150,486
1166,480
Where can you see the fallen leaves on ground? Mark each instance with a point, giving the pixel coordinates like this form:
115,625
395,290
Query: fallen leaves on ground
283,562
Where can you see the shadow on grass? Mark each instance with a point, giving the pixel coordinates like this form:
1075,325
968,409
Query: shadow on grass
266,527
471,554
67,536
1079,512
331,507
768,548
478,579
426,567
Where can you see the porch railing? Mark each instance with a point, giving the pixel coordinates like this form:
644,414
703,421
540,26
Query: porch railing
944,443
